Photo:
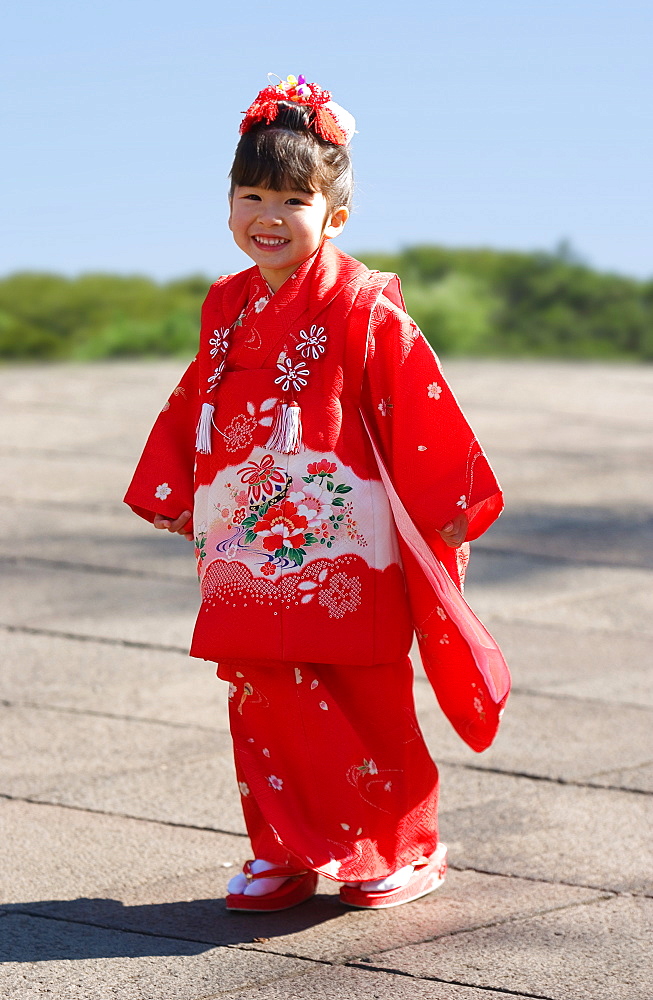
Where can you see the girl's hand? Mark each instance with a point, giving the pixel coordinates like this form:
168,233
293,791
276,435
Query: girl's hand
454,532
176,526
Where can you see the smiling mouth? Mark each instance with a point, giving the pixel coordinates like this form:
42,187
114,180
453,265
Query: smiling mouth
270,241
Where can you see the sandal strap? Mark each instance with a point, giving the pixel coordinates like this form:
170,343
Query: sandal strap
279,872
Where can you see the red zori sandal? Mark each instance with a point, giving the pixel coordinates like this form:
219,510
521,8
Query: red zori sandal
427,876
296,887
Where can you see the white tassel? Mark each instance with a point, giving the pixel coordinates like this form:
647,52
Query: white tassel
203,435
286,435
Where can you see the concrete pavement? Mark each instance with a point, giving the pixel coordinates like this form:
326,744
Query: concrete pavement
119,818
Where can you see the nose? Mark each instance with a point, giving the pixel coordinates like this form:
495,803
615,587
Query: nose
268,217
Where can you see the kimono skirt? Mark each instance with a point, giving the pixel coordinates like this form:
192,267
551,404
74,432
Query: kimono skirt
307,722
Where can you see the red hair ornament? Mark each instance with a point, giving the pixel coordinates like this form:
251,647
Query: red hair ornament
330,121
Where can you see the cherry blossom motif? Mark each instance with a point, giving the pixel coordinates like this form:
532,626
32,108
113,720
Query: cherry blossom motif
434,391
224,513
345,826
314,342
441,613
268,569
462,503
294,375
444,641
314,684
384,407
324,706
265,752
262,478
261,303
367,767
232,690
276,783
241,497
313,502
231,552
219,342
239,434
239,515
162,492
282,526
342,595
244,788
321,468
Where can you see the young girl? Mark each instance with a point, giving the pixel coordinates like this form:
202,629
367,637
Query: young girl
331,480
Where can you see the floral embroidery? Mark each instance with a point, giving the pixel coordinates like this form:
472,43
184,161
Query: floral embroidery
384,406
276,783
462,503
262,478
217,375
441,613
244,788
292,374
239,433
444,641
321,468
162,492
324,706
313,344
265,752
200,544
219,342
232,690
282,526
434,391
367,767
342,595
314,684
261,303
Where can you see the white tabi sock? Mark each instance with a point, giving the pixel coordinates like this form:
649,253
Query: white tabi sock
238,885
395,881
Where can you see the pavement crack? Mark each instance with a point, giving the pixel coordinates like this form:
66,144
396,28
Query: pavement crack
497,990
547,779
118,815
79,567
96,714
104,640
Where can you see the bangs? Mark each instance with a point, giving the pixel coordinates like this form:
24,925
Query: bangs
278,159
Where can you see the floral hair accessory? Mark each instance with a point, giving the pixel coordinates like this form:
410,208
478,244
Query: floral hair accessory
330,121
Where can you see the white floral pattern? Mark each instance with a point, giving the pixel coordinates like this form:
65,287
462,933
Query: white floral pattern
261,303
434,390
314,341
163,491
244,788
462,503
295,375
219,342
276,783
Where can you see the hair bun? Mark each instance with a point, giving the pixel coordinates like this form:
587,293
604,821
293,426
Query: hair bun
330,121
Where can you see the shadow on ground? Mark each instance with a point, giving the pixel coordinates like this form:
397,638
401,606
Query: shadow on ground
179,928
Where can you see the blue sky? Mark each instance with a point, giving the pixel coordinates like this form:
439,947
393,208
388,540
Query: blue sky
499,123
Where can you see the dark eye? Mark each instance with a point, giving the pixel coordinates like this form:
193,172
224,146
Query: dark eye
295,201
252,197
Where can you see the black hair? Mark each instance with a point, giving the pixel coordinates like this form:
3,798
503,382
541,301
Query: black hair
288,155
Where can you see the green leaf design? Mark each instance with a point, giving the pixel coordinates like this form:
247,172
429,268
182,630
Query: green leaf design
307,479
250,536
329,544
340,517
338,502
297,556
343,489
310,538
330,486
249,522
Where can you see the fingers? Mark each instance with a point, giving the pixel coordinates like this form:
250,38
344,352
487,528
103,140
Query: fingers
455,532
175,526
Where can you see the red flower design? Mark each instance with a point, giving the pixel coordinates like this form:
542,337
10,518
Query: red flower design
239,516
261,478
320,468
268,569
282,526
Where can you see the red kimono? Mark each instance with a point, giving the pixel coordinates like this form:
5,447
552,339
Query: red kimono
310,594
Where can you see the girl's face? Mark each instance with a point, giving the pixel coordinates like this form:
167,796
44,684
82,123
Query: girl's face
279,230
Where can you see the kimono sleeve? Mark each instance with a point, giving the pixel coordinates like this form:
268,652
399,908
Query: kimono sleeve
435,461
163,480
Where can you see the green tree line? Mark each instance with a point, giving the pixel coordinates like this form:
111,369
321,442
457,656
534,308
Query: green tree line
468,302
